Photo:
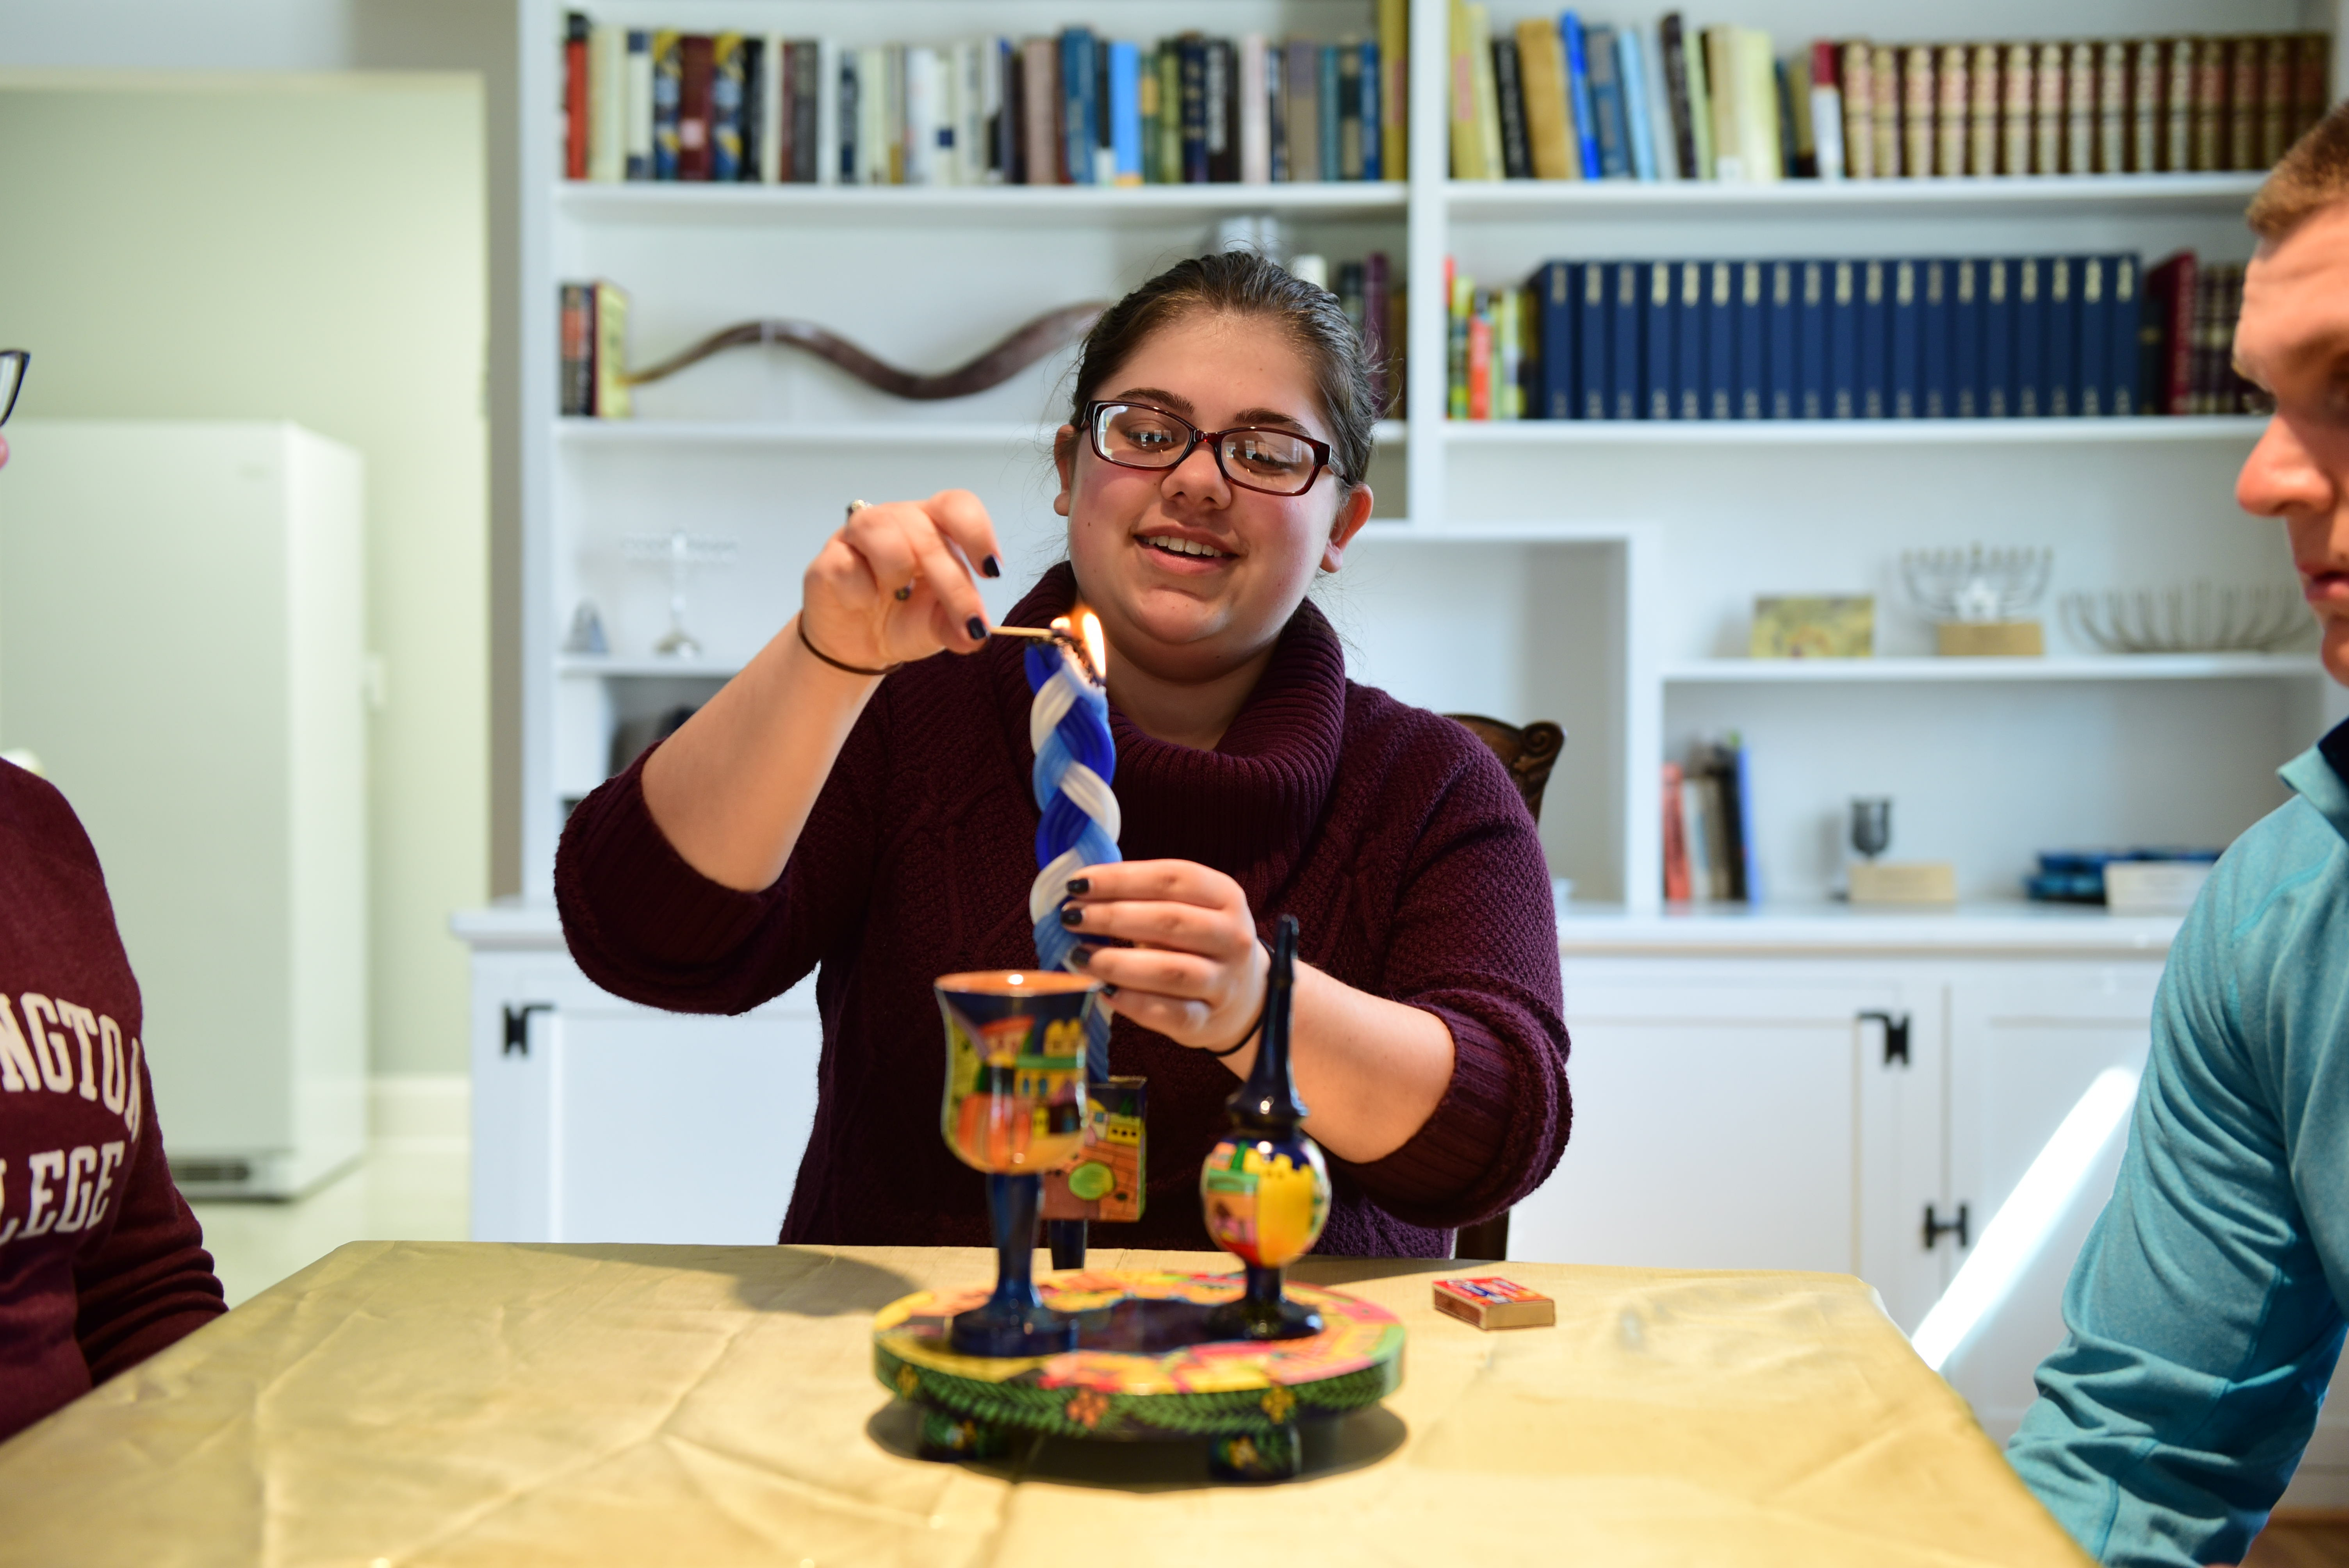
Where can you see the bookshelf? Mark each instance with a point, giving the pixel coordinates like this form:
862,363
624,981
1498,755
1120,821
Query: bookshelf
1597,574
1594,572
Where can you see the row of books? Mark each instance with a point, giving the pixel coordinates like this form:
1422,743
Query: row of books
1901,338
1570,101
1708,825
1378,304
1074,109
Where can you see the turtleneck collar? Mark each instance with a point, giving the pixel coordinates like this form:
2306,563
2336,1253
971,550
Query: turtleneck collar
1248,808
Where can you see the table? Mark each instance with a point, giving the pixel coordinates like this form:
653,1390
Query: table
452,1403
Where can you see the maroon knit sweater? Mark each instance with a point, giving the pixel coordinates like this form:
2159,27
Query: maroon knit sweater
1391,833
101,1263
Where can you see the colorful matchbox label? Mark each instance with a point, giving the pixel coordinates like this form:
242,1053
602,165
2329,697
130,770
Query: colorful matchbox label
1489,1301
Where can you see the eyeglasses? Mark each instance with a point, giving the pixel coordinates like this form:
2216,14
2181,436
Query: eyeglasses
13,361
1253,457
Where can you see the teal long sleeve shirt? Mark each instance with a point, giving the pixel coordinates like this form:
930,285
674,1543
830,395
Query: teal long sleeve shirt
2205,1311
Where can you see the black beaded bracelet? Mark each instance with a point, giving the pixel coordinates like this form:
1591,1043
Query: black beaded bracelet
800,621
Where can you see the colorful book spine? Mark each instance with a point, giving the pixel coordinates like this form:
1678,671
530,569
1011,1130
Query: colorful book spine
2029,316
1578,95
1639,112
577,35
1593,339
1549,122
1125,111
1904,378
1553,286
1460,296
728,71
1627,364
1326,101
1965,338
1672,44
669,83
1827,111
1517,158
1999,398
2092,366
1656,339
1811,398
696,67
2123,275
1606,105
2060,337
1752,343
1721,341
1875,339
1371,109
1934,401
1394,89
1688,342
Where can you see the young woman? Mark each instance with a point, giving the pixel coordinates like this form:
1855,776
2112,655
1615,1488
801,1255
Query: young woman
817,813
101,1261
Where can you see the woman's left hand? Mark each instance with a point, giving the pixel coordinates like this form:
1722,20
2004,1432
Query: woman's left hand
1196,972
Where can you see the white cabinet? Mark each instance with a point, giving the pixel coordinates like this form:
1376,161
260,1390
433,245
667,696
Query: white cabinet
595,1120
1744,1115
181,615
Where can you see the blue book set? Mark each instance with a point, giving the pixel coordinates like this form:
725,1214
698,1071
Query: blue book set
1879,338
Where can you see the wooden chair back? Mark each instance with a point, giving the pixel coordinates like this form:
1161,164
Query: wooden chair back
1528,753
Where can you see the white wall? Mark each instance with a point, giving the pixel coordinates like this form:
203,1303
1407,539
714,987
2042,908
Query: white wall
309,248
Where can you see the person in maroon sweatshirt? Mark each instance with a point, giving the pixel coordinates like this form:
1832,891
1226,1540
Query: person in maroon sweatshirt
816,813
101,1263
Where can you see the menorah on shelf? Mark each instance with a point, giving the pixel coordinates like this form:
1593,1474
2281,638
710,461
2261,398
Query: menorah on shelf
683,552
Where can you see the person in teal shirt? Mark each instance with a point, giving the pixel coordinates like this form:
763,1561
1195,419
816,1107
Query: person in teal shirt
2206,1310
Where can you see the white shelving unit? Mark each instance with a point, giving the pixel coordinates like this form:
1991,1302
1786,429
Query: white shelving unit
1594,572
1736,1103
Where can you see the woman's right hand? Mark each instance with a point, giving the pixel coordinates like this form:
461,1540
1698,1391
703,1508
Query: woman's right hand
895,583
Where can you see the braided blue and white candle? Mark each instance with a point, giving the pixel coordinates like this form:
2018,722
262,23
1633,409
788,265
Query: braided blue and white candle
1068,725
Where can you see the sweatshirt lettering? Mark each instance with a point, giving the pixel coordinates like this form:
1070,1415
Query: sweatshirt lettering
55,1057
18,1071
40,1219
84,1024
110,1088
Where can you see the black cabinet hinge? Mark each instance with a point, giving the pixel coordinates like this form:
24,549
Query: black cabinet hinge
517,1026
1936,1228
1896,1035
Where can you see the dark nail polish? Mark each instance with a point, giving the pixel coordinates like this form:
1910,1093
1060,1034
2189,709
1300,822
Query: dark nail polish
1109,990
990,567
1079,886
1072,915
905,592
977,628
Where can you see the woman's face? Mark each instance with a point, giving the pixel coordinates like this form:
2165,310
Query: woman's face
1177,612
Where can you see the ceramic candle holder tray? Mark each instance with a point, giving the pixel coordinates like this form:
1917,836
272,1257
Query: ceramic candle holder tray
1143,1370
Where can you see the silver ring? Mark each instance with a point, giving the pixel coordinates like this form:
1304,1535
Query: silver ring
856,506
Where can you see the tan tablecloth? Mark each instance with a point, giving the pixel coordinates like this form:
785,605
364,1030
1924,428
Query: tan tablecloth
454,1403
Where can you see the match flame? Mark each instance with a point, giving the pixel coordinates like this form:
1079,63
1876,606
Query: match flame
1096,647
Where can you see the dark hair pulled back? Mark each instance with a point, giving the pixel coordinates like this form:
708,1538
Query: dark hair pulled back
1245,283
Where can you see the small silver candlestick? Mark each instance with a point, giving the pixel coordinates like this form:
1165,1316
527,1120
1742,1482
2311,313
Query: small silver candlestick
683,552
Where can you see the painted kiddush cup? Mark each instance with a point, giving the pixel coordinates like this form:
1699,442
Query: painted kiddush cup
1015,1100
1014,1107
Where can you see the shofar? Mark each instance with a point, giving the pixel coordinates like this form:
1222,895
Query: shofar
1043,335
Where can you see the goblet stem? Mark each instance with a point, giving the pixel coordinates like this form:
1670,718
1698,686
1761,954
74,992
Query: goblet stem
1012,1202
1014,1321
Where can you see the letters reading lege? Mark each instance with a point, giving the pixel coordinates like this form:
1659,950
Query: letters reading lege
1875,338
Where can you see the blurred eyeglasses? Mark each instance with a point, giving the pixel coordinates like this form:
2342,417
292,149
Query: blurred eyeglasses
13,361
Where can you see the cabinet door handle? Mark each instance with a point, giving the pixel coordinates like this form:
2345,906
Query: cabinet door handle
517,1026
1896,1035
1936,1228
